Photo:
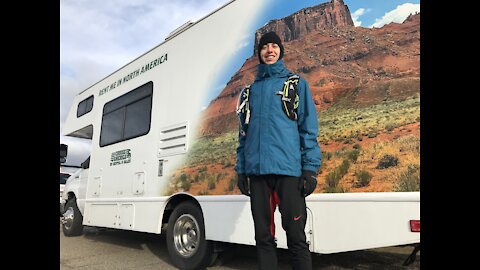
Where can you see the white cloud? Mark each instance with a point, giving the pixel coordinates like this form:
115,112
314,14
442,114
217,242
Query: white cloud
356,15
398,15
99,37
244,42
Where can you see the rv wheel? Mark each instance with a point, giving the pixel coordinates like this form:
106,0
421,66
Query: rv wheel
72,219
186,242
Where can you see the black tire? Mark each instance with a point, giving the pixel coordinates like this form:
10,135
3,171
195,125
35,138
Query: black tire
72,219
186,243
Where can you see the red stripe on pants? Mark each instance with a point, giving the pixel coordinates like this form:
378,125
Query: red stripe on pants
274,201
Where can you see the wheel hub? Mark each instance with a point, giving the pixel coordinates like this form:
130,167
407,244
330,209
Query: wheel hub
186,235
68,218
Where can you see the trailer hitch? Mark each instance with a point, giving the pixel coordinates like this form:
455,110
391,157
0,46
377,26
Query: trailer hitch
411,258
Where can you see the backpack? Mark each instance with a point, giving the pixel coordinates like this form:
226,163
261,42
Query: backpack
243,110
288,95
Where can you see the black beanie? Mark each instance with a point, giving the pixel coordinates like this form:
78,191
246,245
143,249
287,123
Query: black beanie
270,37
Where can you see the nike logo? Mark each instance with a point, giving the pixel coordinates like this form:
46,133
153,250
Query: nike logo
296,218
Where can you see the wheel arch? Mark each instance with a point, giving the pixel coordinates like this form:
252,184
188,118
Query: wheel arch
174,201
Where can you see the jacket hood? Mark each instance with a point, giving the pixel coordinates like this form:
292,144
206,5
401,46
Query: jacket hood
276,69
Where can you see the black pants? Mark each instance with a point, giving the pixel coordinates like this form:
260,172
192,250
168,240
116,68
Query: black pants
268,191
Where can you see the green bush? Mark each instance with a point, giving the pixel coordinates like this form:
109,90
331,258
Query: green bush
408,180
389,127
232,183
353,155
333,177
185,182
211,183
363,178
387,161
219,177
343,168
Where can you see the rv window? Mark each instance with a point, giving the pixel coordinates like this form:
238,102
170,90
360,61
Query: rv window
85,106
127,116
135,120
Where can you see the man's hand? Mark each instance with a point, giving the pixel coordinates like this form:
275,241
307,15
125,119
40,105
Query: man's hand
307,182
243,184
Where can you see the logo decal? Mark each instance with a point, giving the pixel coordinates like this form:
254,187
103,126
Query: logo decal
120,157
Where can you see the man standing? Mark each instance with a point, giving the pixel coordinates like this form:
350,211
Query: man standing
278,154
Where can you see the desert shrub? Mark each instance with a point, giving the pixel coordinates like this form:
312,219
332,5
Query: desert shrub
219,177
363,178
327,155
343,168
409,143
211,183
202,176
408,180
185,182
232,183
389,127
387,161
353,155
333,178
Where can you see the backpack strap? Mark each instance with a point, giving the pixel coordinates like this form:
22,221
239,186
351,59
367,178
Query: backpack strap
289,96
243,110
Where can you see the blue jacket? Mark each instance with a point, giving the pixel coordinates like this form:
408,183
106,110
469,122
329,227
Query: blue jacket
273,143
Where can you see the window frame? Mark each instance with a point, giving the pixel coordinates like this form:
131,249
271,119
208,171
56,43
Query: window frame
83,106
120,105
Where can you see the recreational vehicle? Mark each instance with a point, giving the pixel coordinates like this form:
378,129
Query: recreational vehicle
164,130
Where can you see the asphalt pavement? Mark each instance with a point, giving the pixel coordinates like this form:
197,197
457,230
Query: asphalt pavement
109,249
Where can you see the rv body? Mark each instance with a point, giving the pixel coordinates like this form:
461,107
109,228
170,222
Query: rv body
159,98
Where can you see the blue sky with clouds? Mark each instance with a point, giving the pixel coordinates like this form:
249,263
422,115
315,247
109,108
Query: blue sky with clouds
99,37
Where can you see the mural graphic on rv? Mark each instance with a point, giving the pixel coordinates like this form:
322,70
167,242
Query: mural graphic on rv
366,86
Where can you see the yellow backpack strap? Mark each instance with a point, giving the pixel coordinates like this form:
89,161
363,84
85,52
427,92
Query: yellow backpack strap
243,109
290,97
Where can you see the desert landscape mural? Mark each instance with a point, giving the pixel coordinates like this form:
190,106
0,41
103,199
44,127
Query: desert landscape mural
366,86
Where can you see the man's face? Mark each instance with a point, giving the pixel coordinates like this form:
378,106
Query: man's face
270,53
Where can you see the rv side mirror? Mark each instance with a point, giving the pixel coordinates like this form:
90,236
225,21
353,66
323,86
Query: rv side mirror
86,163
63,153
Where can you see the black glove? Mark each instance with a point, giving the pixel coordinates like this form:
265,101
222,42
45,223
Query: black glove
242,184
307,183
